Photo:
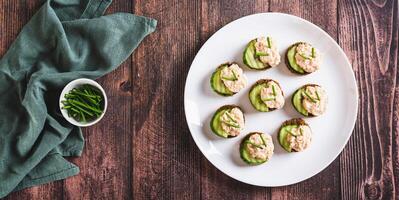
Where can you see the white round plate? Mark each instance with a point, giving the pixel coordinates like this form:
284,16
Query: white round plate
331,131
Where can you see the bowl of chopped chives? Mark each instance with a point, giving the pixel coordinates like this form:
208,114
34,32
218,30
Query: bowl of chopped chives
83,102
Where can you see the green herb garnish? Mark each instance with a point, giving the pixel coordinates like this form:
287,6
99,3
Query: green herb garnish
311,98
234,74
261,54
274,90
292,133
234,78
264,142
230,123
229,78
269,99
84,103
305,57
269,43
231,117
257,146
317,94
313,52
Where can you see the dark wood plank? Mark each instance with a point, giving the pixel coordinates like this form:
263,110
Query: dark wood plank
165,160
106,161
145,149
368,32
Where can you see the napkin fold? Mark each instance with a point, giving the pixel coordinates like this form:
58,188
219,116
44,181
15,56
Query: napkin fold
64,40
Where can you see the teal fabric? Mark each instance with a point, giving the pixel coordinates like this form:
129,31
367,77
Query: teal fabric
64,40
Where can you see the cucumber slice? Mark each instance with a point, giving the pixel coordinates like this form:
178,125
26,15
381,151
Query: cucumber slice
244,154
285,129
297,102
251,60
216,124
217,84
297,99
282,135
255,98
290,60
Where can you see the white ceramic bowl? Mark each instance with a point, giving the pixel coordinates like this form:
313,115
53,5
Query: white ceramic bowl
74,84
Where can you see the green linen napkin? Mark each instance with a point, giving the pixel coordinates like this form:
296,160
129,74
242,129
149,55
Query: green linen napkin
64,40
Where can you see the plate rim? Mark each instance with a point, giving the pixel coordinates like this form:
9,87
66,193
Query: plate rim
351,76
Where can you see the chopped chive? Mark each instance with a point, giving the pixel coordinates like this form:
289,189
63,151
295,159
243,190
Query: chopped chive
80,98
311,98
228,78
234,74
231,117
91,101
261,54
84,105
69,96
75,110
83,116
317,94
264,142
234,78
313,52
235,125
269,43
274,90
256,145
84,94
78,108
293,134
269,99
303,56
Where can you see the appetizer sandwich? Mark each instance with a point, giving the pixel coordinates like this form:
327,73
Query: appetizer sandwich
303,58
310,100
266,95
228,121
261,53
228,79
295,135
256,148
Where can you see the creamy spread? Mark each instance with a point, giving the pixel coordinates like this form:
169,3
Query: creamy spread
300,138
272,95
315,100
260,148
233,78
307,60
269,54
232,121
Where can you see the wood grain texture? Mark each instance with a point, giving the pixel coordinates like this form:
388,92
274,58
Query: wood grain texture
145,151
106,160
165,164
368,32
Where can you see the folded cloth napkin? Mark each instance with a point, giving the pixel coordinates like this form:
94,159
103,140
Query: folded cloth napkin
64,40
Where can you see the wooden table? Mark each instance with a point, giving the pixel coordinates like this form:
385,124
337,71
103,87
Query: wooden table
143,148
